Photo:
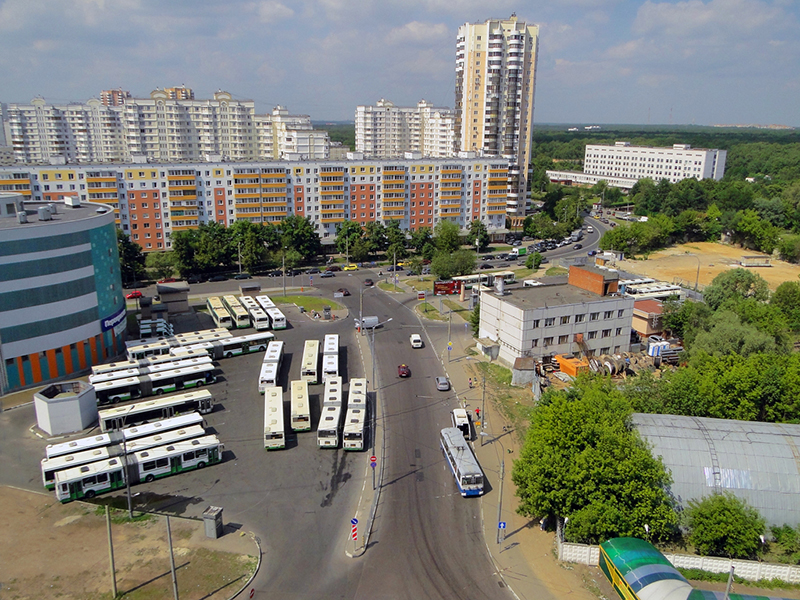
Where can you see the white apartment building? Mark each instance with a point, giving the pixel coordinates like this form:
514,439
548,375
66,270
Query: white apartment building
581,314
384,130
168,126
151,201
622,165
495,84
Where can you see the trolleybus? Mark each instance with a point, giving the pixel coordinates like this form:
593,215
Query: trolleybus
274,427
309,369
222,318
129,415
463,464
300,407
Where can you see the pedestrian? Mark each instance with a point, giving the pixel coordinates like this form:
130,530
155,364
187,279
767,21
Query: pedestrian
470,383
477,413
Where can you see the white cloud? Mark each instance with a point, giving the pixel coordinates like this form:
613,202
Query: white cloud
419,33
270,11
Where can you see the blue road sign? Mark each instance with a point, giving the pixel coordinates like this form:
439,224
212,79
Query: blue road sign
354,521
373,464
502,524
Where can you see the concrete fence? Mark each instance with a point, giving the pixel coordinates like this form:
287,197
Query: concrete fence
746,569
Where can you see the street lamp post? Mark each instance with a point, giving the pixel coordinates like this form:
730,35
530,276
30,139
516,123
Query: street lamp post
502,478
697,277
372,350
284,271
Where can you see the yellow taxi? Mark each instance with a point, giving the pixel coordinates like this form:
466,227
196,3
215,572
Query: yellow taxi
350,267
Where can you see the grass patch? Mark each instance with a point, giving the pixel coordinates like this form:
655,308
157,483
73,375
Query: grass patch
119,517
555,271
307,302
427,310
456,307
700,575
389,287
513,403
426,285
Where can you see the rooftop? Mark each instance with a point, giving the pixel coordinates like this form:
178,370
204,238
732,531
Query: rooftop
649,306
64,214
551,294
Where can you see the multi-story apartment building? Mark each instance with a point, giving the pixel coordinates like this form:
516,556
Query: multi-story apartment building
495,84
388,131
168,126
579,315
151,201
622,165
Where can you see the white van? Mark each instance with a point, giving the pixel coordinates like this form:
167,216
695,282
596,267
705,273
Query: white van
416,340
369,322
590,229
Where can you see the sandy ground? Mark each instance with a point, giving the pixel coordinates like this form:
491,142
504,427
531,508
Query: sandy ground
678,264
52,550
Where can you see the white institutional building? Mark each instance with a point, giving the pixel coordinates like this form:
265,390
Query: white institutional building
622,165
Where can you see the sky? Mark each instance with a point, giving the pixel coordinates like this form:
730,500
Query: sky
600,61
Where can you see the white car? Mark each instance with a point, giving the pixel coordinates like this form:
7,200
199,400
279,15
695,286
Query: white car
416,340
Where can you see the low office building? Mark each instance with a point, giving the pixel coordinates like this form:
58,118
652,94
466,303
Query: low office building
61,303
582,314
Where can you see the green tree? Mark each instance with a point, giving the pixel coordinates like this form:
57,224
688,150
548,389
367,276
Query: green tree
478,231
184,247
443,265
581,460
360,251
446,235
533,261
727,334
724,525
347,234
475,320
420,237
247,237
212,247
160,264
397,250
735,284
298,233
395,235
131,259
375,236
428,251
464,262
787,299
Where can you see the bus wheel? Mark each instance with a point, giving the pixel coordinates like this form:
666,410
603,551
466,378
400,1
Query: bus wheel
228,355
262,348
149,479
89,494
198,384
113,400
201,465
159,391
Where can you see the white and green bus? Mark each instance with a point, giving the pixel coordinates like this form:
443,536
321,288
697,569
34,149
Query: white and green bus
274,426
354,426
234,346
300,407
218,312
240,316
171,459
130,388
147,411
309,368
89,480
175,363
51,466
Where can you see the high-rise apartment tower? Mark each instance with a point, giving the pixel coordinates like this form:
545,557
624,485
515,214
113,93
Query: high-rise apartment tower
495,83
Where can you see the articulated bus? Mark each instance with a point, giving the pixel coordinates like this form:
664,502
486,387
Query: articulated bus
157,368
79,445
357,394
86,481
202,335
222,318
463,464
51,466
468,281
277,320
234,346
119,390
129,415
122,365
274,427
178,457
155,427
329,424
309,369
241,318
300,408
165,438
353,433
157,348
265,302
184,352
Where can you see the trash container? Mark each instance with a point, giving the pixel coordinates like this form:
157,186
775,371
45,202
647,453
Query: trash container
326,312
212,518
302,309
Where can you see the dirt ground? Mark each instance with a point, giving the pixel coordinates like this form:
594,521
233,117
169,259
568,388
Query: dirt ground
54,550
678,264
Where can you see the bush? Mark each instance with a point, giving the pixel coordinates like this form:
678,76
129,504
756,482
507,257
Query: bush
724,525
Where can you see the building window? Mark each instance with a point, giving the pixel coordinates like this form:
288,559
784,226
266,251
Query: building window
536,324
549,321
562,339
620,313
606,333
605,350
594,316
591,335
534,343
548,341
565,320
608,314
580,318
619,331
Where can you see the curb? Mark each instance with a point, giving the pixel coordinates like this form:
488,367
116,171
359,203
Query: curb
258,566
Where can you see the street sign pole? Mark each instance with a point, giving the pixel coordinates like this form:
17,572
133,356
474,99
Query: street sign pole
354,531
373,462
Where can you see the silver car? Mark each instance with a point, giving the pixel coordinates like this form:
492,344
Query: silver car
442,384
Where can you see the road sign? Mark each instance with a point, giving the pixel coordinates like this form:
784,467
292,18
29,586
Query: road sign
354,521
502,525
354,533
373,458
449,346
252,592
420,295
373,464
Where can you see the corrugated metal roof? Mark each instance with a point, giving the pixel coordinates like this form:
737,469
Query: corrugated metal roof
759,462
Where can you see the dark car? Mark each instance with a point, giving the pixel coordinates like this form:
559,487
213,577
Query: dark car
394,268
403,371
218,278
243,276
592,252
368,282
485,266
195,279
343,291
502,265
487,257
134,294
328,274
577,247
502,256
426,261
292,272
333,268
313,271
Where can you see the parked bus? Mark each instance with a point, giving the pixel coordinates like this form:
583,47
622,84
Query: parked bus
222,318
357,394
129,415
268,376
330,344
157,348
150,429
178,457
333,391
146,370
310,365
183,352
330,366
165,438
277,320
240,316
51,466
329,423
274,428
79,445
202,335
234,346
353,433
274,352
259,318
86,481
132,364
300,407
248,302
156,383
463,464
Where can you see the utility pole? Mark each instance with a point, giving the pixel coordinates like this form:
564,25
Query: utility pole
111,555
500,500
284,271
240,257
394,270
449,327
172,562
483,407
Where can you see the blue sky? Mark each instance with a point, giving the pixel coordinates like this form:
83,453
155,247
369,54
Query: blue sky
600,61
